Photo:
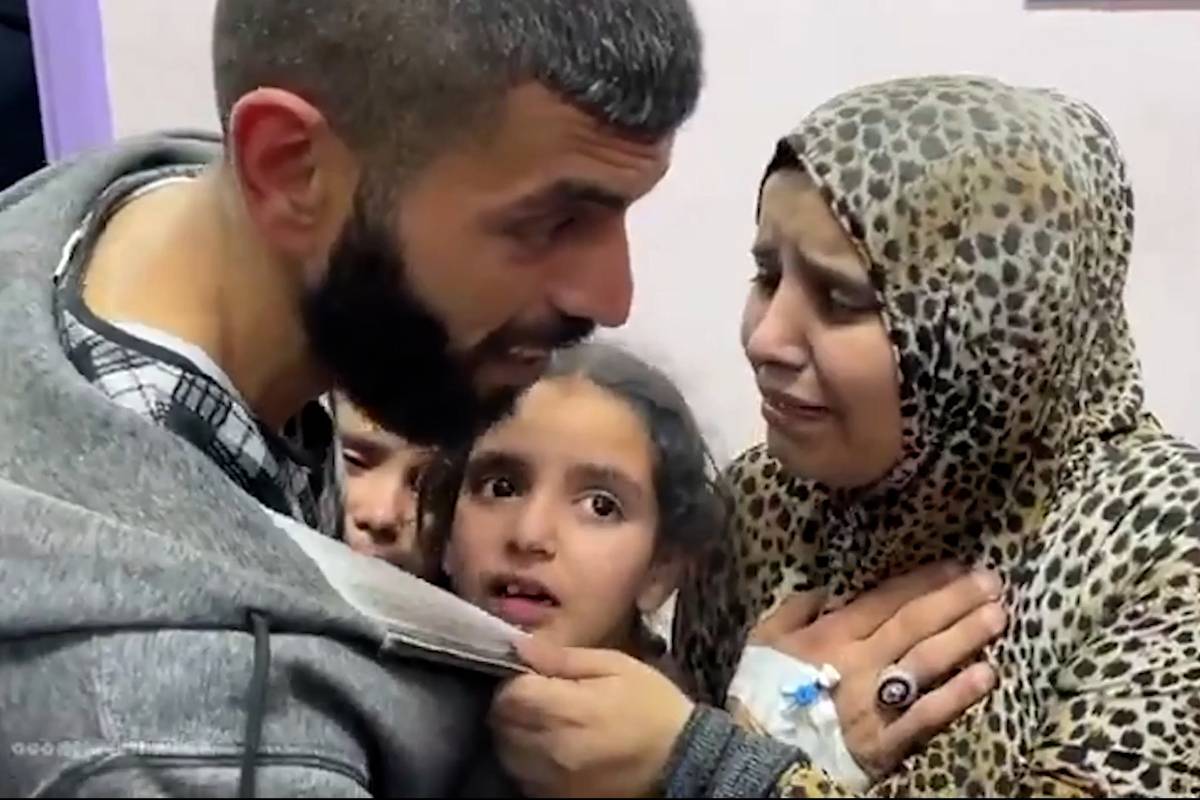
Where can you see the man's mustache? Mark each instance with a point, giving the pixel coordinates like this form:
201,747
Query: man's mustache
561,332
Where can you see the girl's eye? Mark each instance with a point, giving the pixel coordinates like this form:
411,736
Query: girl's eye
498,488
354,460
603,506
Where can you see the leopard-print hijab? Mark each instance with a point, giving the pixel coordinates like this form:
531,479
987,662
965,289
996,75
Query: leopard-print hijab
997,224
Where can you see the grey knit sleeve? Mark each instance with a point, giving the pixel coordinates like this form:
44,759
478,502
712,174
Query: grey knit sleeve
715,757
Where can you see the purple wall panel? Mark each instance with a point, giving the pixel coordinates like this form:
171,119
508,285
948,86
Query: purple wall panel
68,44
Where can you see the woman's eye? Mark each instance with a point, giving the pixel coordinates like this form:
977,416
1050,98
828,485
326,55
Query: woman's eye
765,281
354,460
846,302
840,300
768,273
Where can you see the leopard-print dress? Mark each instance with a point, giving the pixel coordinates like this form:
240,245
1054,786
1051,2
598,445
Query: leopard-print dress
997,222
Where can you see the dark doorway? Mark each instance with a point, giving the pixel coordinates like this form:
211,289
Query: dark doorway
22,148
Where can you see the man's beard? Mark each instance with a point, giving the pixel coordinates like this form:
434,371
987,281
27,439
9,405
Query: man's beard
392,356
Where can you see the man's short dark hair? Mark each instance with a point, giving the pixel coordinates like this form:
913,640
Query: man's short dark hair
398,79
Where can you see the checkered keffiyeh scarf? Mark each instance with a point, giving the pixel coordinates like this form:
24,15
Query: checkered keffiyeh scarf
293,472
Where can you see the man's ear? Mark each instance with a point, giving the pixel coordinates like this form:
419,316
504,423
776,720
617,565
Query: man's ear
292,170
661,580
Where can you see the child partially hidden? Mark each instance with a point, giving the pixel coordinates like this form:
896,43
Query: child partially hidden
573,517
382,473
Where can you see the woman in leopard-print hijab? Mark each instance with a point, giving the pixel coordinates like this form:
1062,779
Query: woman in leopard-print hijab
938,330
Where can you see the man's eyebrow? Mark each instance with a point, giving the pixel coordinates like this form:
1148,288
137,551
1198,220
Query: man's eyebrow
560,194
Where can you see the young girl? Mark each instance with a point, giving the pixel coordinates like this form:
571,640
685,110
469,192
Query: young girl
573,517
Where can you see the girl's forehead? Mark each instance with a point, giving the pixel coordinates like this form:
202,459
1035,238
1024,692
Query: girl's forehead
570,419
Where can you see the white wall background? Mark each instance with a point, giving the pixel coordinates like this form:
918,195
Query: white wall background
159,64
769,61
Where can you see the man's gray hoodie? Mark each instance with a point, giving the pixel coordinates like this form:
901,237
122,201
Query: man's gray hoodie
160,634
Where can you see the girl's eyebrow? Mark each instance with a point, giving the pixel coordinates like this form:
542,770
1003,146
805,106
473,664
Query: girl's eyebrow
498,460
365,443
607,475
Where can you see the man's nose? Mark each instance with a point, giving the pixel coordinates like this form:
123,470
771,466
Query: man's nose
596,282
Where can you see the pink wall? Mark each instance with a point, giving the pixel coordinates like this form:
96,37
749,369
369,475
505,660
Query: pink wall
770,61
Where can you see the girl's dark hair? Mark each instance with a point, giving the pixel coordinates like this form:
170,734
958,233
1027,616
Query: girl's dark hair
693,502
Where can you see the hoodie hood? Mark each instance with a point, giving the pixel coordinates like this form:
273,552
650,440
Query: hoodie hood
108,520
